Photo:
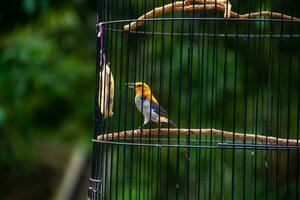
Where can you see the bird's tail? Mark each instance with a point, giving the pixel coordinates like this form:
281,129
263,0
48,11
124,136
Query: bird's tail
172,123
166,120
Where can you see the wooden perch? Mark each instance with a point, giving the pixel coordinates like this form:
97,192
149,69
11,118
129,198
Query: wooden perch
226,134
220,5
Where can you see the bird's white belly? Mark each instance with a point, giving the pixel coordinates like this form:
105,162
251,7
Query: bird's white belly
144,106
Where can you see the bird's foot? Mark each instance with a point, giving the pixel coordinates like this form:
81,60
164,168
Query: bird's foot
142,126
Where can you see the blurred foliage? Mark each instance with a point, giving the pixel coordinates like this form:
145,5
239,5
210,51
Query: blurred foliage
47,64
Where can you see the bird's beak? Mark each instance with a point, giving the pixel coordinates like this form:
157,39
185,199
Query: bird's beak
130,85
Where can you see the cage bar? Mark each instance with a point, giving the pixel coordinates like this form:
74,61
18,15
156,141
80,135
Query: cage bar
226,72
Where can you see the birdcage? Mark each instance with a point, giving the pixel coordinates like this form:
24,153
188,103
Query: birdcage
197,99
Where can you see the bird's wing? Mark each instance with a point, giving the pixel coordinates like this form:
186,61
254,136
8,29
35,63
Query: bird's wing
159,110
162,112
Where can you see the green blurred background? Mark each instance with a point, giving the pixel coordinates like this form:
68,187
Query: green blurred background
47,65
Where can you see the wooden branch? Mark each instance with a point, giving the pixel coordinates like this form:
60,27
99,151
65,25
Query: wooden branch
153,13
221,5
226,134
188,2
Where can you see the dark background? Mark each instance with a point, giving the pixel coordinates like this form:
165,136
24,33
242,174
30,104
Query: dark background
47,65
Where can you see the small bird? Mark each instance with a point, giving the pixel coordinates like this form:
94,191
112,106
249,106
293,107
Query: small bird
148,105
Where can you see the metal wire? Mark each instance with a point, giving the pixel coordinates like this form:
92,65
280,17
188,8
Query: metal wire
213,146
207,71
159,19
209,34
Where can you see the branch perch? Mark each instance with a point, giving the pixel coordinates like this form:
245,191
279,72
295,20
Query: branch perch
215,132
220,5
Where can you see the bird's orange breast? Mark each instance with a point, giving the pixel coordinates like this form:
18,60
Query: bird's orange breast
147,93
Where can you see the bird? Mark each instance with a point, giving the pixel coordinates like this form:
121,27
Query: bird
148,105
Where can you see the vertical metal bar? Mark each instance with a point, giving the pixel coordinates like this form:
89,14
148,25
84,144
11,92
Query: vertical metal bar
124,101
179,103
224,97
279,107
200,72
169,100
161,86
212,102
257,92
134,79
264,120
119,112
298,130
188,101
114,164
139,57
152,77
112,128
222,169
235,101
144,64
269,102
101,121
95,168
246,109
289,99
208,81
